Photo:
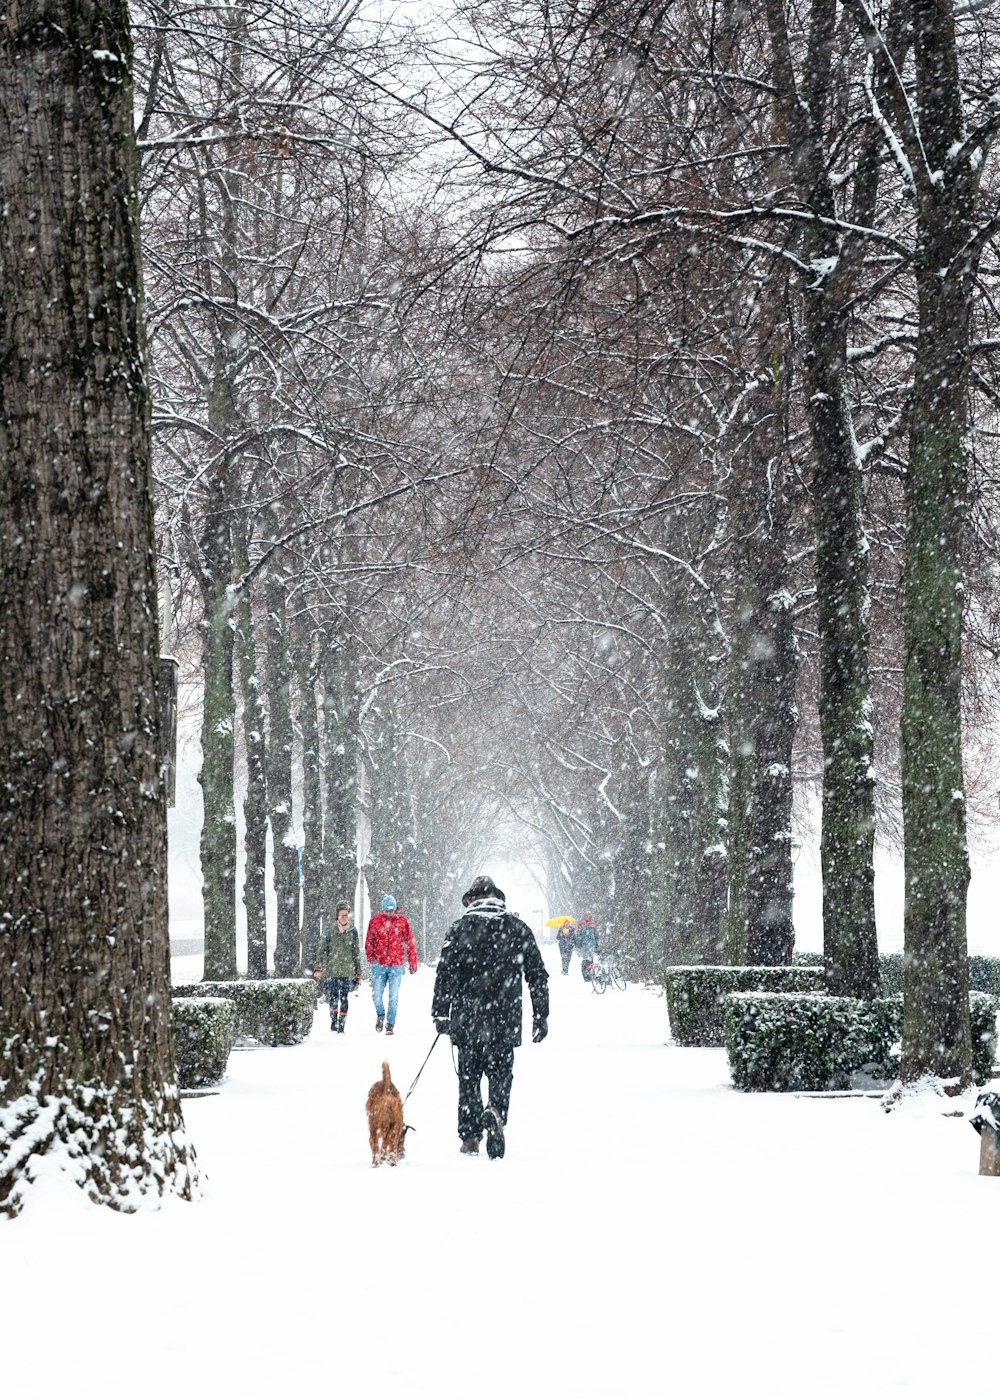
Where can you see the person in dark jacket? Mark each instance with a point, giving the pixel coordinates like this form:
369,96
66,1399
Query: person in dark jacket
587,944
338,964
477,1001
566,939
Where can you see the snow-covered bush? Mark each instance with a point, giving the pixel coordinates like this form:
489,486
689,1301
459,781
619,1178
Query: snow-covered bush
807,959
695,995
983,1008
984,974
278,1011
204,1031
890,967
784,1042
787,1042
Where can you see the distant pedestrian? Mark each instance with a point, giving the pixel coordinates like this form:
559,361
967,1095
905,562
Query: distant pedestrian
389,944
338,963
477,1001
587,943
566,940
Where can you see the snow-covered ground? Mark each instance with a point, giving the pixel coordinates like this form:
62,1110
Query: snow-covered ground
650,1232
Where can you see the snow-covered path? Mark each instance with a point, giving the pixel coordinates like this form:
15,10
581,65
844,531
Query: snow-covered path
650,1232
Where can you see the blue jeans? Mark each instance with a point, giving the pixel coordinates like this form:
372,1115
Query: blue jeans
381,975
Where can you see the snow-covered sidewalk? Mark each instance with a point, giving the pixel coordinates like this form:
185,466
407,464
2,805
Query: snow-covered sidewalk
649,1232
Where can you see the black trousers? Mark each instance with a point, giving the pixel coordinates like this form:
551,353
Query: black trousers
338,989
495,1062
565,951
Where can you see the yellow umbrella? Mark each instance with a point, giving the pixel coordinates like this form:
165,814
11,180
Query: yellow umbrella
559,919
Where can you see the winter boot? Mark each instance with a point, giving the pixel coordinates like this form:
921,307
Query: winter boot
470,1146
493,1124
333,1020
341,1024
388,1030
380,1023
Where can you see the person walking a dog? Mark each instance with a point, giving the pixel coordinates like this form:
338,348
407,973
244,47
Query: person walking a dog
338,964
477,1001
389,944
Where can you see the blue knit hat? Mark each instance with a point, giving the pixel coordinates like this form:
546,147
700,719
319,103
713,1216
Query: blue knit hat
388,905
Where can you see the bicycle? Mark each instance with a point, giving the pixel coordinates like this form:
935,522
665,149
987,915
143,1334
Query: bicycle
607,972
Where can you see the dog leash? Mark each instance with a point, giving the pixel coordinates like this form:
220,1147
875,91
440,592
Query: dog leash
421,1069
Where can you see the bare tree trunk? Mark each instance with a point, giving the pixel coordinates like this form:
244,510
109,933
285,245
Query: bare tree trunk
341,722
764,668
936,1036
691,778
217,557
312,795
218,830
87,1056
255,800
279,771
842,566
633,862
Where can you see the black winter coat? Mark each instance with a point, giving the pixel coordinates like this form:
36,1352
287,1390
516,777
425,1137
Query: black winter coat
478,982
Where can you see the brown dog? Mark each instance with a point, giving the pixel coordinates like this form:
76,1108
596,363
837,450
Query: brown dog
385,1120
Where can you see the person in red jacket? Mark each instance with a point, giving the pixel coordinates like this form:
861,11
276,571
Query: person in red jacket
389,945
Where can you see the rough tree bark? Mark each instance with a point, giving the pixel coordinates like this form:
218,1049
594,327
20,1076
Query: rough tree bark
391,865
86,1073
279,771
255,801
312,803
633,875
936,864
842,568
217,554
218,830
761,695
341,723
691,811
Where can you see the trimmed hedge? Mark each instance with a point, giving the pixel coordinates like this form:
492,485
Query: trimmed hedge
811,1043
278,1011
983,1007
984,974
890,966
204,1031
696,995
780,1042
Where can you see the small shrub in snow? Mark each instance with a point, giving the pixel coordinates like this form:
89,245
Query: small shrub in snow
813,1043
278,1011
983,1017
204,1031
786,1042
807,959
695,995
984,974
890,968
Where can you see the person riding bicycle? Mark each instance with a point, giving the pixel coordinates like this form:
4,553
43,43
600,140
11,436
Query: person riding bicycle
587,943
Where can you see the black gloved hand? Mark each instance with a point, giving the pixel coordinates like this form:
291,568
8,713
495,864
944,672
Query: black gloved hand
539,1029
442,1025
